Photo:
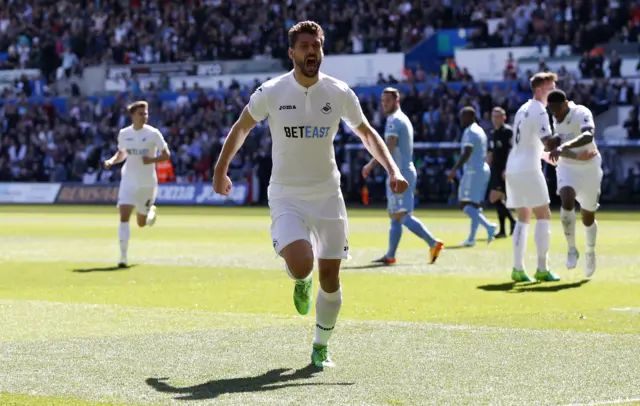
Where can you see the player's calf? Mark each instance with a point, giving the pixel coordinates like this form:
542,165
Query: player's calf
298,257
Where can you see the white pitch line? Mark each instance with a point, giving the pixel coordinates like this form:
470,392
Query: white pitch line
606,402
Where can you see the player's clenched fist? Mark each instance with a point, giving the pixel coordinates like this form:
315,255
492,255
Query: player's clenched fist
397,183
221,182
108,164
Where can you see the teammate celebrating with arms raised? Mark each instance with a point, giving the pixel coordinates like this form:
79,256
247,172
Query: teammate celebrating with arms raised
308,213
399,136
579,174
138,144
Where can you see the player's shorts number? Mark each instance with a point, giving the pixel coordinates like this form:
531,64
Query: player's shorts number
148,203
518,133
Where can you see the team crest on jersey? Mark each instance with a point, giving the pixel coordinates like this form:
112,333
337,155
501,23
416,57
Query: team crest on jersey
326,109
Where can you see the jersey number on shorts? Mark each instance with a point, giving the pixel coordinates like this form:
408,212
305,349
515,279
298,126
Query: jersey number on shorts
148,204
518,133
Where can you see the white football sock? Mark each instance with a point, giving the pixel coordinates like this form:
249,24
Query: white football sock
327,310
568,219
519,241
123,234
543,241
592,234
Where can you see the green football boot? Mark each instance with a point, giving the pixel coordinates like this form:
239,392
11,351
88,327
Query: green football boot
320,357
546,276
520,276
303,296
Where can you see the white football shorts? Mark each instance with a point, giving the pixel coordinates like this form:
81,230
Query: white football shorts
142,197
585,180
526,190
321,222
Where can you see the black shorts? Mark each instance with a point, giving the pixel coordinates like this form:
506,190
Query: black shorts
496,182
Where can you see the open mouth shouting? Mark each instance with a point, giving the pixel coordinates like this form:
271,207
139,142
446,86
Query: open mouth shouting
311,64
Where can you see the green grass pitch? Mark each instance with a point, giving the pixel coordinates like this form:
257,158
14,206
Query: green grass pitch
206,316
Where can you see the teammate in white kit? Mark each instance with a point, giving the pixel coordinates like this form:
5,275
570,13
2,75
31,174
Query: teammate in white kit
526,185
578,179
139,145
308,214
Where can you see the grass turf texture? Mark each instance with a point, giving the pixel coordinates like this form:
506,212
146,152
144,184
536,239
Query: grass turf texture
206,315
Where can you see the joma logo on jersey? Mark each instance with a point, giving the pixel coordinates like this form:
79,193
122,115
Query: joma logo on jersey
136,151
287,107
306,132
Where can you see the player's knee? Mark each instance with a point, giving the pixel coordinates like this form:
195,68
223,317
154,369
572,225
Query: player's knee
588,218
329,274
398,216
299,258
141,220
568,198
542,212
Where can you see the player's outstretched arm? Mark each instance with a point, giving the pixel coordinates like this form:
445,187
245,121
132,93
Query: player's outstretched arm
238,134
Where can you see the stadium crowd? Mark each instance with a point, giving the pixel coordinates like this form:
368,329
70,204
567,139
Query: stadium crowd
66,34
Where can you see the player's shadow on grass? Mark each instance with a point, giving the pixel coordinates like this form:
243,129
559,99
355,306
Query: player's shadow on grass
103,269
271,380
513,287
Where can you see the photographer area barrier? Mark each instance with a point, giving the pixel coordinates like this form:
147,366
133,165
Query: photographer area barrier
198,194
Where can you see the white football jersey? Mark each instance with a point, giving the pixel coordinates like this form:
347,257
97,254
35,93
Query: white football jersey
578,120
146,141
303,123
530,126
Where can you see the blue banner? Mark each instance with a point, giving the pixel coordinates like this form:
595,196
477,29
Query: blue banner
201,194
431,52
196,194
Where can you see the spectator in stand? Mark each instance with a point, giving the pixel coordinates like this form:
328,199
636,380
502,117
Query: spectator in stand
632,125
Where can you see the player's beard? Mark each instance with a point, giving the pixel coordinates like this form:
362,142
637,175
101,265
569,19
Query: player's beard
309,71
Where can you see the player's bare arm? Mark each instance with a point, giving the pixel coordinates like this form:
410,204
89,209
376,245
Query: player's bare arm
466,154
238,134
164,155
378,149
564,150
392,142
118,157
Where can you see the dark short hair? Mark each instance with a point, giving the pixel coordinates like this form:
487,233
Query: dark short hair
133,107
305,27
392,91
541,78
468,111
557,96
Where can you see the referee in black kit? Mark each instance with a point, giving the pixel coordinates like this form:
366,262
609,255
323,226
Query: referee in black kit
499,147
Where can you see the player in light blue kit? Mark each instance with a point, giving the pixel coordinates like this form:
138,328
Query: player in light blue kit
399,137
474,182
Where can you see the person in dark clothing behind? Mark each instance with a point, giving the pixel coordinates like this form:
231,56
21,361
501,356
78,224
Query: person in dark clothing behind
499,147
